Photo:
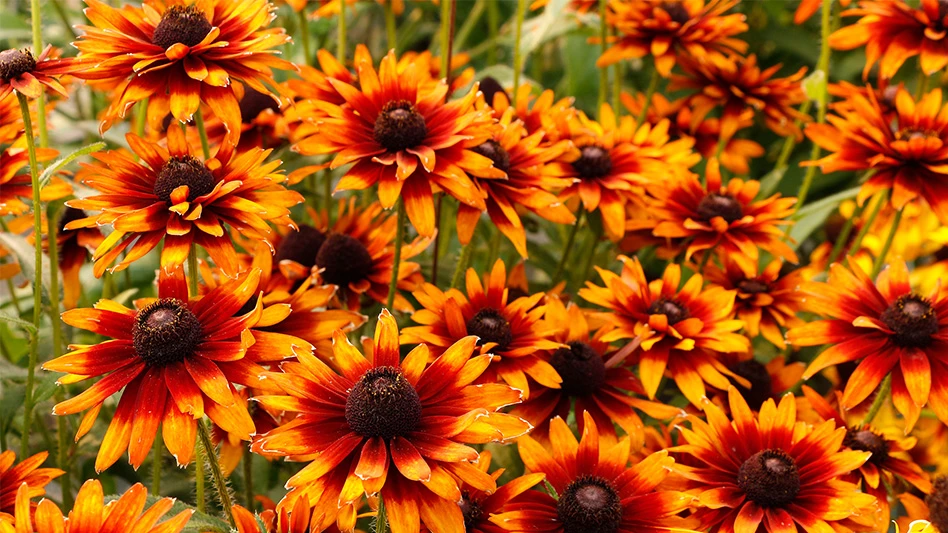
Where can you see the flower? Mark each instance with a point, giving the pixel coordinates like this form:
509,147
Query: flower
807,8
402,135
678,330
907,154
536,112
670,30
179,55
772,380
31,76
888,328
16,185
399,429
172,195
769,470
512,330
26,473
75,246
597,489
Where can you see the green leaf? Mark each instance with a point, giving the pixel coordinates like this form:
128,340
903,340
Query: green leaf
25,254
812,216
550,24
814,86
770,181
28,326
60,163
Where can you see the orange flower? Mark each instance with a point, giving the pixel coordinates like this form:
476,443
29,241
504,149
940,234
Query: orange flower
16,185
26,473
179,54
886,327
678,330
512,330
770,381
769,471
75,246
11,121
597,489
398,429
807,7
536,113
31,76
669,30
172,195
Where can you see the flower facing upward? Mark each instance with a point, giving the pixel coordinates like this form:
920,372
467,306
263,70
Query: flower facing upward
172,195
27,473
30,76
885,326
679,330
179,54
399,429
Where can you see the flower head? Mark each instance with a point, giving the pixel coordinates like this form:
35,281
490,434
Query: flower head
26,473
31,76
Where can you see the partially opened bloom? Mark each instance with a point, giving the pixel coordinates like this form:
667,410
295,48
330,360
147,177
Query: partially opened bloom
173,196
32,76
678,330
888,328
378,425
598,490
769,470
26,472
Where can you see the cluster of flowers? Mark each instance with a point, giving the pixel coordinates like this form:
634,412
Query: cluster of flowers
255,336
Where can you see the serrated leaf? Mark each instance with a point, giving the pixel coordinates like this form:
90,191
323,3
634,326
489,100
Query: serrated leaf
25,254
812,216
60,163
18,322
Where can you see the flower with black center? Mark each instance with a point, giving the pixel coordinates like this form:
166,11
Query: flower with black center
401,134
511,329
887,328
769,470
27,473
597,489
537,113
16,183
173,196
702,30
680,331
763,381
380,425
178,55
31,76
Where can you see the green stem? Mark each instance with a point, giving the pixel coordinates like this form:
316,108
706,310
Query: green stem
37,27
493,22
587,267
218,475
10,287
193,273
617,71
327,195
881,395
304,40
603,46
880,259
141,113
866,225
62,432
205,146
652,86
62,453
64,18
922,82
790,141
518,55
447,36
467,251
469,24
156,467
570,240
844,234
201,503
822,64
436,249
397,261
390,33
248,479
494,250
341,38
381,520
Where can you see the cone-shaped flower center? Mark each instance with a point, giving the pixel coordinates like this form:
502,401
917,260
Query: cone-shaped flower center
719,205
183,170
866,440
383,404
582,369
673,309
490,326
769,478
301,246
181,24
492,150
753,286
677,11
399,126
594,162
938,504
760,381
15,62
912,321
166,332
344,259
589,504
472,512
253,103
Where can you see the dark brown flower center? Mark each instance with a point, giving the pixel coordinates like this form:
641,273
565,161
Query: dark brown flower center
184,170
489,86
69,214
344,259
753,286
495,152
582,369
677,11
912,321
15,62
383,404
399,126
472,512
490,326
769,478
719,205
589,504
166,332
760,381
594,162
938,504
255,102
866,440
673,309
301,246
181,24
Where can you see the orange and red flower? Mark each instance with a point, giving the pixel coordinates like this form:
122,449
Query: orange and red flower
31,76
16,185
75,247
26,473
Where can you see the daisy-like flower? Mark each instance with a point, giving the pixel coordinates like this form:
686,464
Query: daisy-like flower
893,31
770,381
180,54
738,84
722,219
769,470
597,489
678,330
176,359
31,76
11,121
173,196
668,30
379,426
16,183
511,329
27,473
402,135
536,113
888,328
75,247
907,154
295,520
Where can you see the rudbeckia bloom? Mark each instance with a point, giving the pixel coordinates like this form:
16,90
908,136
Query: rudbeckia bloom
667,30
179,54
398,429
885,326
907,154
511,329
16,183
769,471
172,195
537,113
678,330
597,489
772,380
31,76
402,135
75,247
26,472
